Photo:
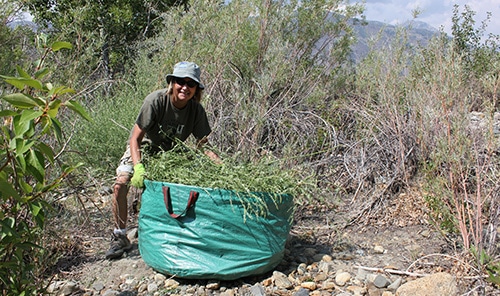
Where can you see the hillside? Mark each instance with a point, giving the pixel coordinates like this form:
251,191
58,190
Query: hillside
379,35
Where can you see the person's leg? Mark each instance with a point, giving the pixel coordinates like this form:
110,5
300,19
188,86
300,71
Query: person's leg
120,242
120,201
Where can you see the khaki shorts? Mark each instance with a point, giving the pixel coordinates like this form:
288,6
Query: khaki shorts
126,166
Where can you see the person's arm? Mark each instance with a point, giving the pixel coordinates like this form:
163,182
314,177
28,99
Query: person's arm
212,155
135,143
137,179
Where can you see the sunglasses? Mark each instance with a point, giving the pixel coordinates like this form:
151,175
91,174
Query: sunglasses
182,82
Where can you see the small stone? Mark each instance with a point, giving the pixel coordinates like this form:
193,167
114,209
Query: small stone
327,258
328,285
378,249
356,290
362,274
213,285
98,286
281,281
425,233
342,278
301,292
267,282
302,269
153,287
257,290
69,288
381,281
395,285
171,283
159,277
387,293
309,285
142,288
320,277
229,292
325,267
111,293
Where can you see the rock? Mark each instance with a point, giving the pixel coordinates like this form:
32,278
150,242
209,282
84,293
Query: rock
257,290
171,283
302,269
342,278
395,285
356,290
320,277
301,292
267,282
69,288
439,284
328,285
213,285
362,274
159,277
153,287
309,285
281,280
381,281
111,293
378,249
98,286
325,267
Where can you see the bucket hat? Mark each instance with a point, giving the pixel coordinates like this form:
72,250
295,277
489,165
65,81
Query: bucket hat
186,69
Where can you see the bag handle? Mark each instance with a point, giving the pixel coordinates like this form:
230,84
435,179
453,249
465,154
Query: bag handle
193,197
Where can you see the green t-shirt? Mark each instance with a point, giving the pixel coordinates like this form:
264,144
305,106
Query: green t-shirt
162,121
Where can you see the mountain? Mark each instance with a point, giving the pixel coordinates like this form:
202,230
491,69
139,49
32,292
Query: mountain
379,35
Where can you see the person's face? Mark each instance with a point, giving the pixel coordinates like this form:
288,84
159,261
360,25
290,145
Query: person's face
183,91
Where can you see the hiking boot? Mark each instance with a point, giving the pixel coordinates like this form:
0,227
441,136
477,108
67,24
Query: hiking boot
119,245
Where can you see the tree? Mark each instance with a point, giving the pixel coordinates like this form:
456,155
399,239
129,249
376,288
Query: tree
12,37
110,28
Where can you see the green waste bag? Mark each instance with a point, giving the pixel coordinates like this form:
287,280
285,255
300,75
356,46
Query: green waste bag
205,233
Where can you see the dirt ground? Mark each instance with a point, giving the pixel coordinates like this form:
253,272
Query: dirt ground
395,236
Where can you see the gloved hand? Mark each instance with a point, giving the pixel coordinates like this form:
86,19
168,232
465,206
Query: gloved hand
138,176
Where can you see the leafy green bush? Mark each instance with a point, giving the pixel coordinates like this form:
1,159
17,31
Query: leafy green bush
29,169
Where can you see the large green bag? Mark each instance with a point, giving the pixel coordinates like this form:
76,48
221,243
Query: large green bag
204,233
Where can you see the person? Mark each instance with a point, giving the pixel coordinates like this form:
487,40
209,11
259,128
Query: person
174,112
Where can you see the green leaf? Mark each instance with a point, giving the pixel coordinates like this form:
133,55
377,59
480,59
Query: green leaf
7,191
58,45
56,127
21,161
46,150
21,82
60,90
8,227
20,100
76,107
5,113
27,189
36,163
41,73
22,73
54,108
22,126
30,114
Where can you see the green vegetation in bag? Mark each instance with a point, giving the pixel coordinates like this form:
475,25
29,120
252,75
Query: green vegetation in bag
183,165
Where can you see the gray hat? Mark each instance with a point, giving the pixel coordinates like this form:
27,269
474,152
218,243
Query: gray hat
186,69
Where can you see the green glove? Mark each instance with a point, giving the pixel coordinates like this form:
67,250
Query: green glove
138,177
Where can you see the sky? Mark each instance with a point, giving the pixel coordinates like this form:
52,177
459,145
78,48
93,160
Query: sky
437,13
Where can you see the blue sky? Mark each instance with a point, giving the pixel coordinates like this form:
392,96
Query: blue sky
436,13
